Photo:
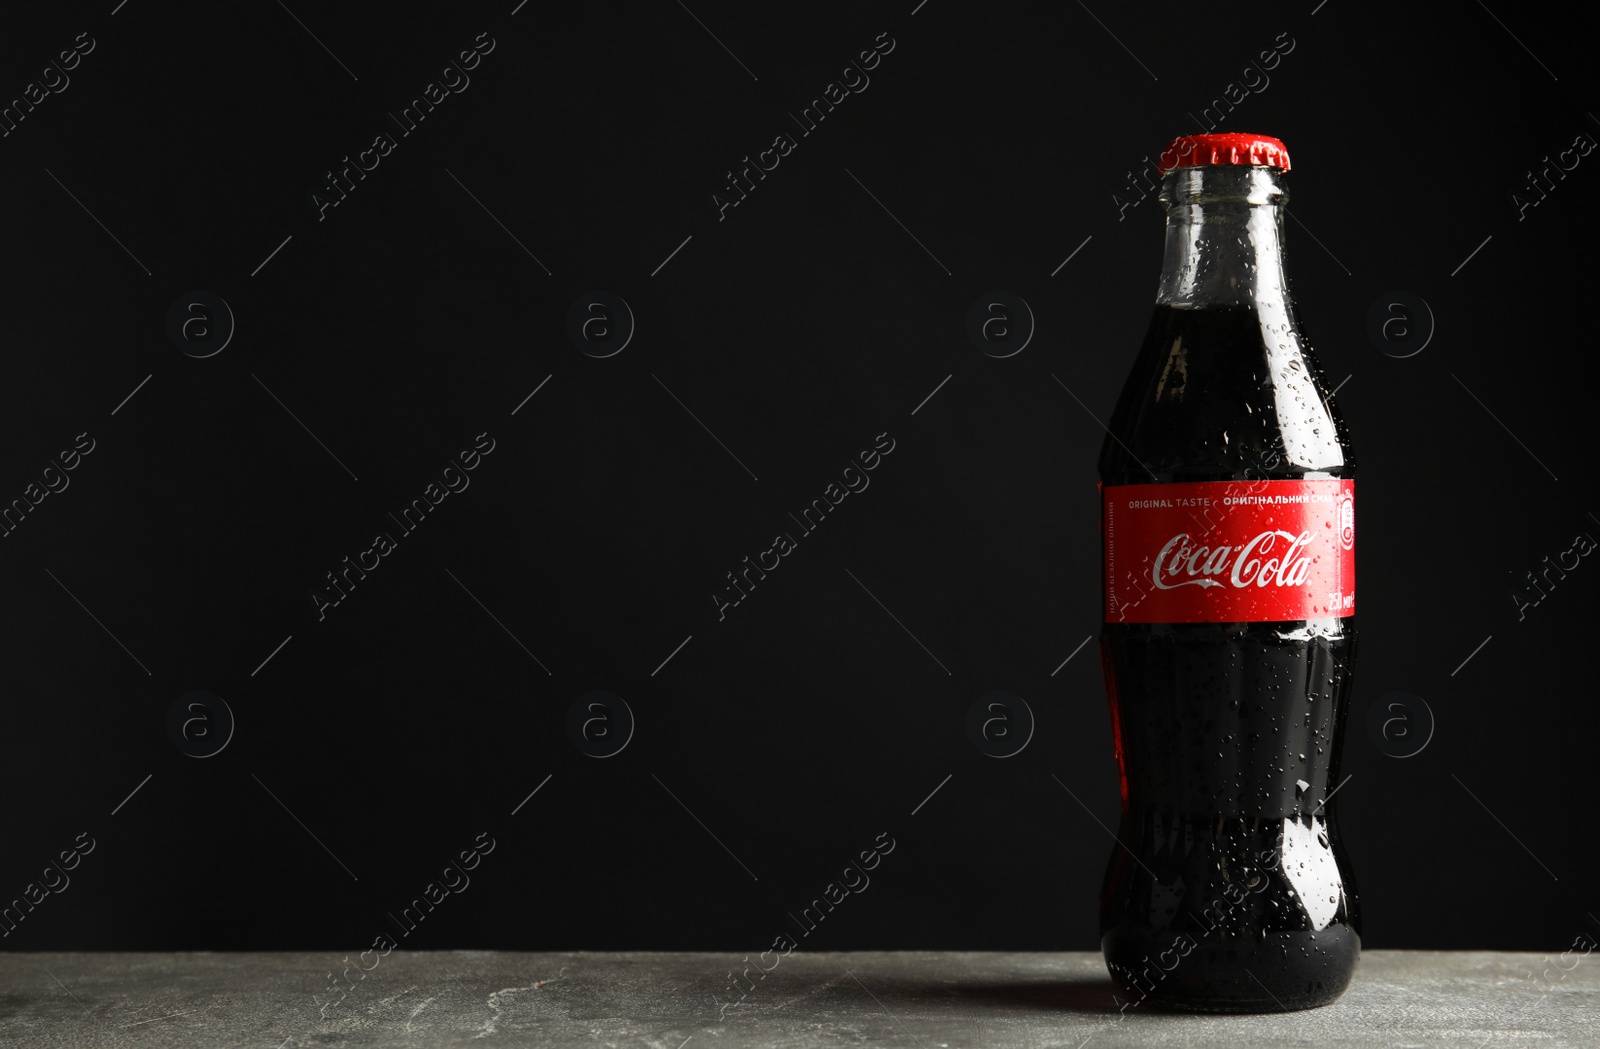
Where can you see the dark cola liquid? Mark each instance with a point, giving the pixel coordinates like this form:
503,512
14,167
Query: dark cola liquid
1231,892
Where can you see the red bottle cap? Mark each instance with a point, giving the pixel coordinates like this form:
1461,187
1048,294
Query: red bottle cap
1233,148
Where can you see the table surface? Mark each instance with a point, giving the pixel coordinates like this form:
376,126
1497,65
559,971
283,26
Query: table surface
926,999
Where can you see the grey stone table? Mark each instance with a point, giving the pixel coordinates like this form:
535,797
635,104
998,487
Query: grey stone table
932,1000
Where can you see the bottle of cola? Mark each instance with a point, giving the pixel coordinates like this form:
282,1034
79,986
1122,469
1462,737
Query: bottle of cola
1228,528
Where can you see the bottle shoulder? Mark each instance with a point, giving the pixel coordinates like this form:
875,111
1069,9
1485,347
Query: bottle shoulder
1225,393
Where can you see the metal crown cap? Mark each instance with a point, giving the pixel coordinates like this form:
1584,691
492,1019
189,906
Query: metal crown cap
1231,148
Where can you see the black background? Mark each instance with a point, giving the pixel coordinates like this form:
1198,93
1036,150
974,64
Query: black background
378,742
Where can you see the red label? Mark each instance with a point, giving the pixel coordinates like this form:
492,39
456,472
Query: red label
1229,551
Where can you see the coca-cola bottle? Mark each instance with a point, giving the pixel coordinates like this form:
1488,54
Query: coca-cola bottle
1229,575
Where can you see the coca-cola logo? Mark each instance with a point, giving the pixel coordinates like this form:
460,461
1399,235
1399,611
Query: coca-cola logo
1272,558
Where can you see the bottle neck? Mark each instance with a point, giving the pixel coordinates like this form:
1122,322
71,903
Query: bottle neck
1224,244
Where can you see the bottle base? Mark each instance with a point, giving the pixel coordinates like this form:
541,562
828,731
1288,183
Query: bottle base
1267,973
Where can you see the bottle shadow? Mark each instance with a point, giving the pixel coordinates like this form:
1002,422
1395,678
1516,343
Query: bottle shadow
1087,996
1084,994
